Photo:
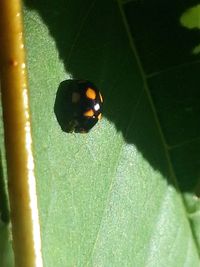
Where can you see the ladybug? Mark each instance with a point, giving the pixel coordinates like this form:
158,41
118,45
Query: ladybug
82,106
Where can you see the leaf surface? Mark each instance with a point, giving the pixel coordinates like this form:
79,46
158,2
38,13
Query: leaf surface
122,195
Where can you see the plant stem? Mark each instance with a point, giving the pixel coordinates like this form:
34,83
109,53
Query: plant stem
18,140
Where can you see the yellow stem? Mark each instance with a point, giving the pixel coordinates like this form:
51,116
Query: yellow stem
18,140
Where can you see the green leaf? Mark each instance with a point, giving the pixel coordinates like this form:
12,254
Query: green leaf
190,20
126,193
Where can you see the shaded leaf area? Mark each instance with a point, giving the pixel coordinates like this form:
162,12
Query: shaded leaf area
165,47
177,99
161,40
105,198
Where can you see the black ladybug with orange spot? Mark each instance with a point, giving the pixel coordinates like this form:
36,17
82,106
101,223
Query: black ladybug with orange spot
83,106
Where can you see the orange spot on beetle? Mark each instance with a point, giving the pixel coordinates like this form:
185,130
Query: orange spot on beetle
90,93
89,113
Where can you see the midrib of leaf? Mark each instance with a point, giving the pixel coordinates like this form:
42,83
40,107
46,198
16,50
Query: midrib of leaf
146,88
